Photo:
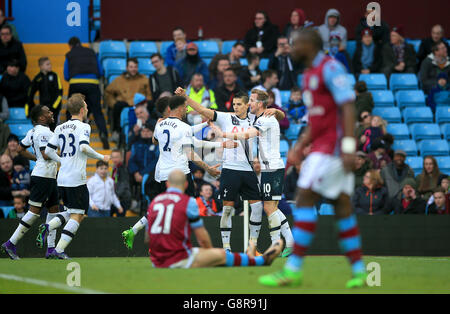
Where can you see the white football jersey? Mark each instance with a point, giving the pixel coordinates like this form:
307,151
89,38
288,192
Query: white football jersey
268,143
238,158
172,135
38,138
68,137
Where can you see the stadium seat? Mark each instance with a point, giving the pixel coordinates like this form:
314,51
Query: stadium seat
124,117
164,46
17,116
6,210
20,129
442,99
264,64
97,23
410,97
112,49
326,209
112,78
299,80
443,115
433,147
351,47
285,95
146,67
444,164
408,146
96,5
114,67
400,81
445,130
399,131
390,114
383,98
416,164
293,131
227,45
425,131
207,61
418,115
284,148
207,48
374,81
243,62
142,49
415,43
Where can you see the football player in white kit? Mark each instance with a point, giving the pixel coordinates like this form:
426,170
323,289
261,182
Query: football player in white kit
44,190
72,138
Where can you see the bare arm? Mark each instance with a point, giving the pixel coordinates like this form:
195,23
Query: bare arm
203,238
192,156
205,112
348,145
279,114
25,153
249,133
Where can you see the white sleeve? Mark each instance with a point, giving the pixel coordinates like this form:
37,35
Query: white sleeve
221,117
43,139
206,144
198,127
85,135
90,152
52,146
26,141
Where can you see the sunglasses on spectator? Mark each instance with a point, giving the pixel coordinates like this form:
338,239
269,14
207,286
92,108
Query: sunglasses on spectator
365,116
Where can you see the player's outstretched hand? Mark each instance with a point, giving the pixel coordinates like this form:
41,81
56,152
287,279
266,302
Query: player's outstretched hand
106,158
213,171
349,162
229,144
180,92
216,130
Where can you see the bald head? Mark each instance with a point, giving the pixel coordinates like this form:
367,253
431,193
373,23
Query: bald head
177,179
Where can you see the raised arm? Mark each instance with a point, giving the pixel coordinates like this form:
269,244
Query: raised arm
279,114
205,112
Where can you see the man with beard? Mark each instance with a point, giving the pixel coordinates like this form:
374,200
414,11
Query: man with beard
191,64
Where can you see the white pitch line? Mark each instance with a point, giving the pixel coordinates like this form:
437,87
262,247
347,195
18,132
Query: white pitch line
44,283
412,258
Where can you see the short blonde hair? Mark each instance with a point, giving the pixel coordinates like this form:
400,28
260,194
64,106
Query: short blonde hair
261,96
75,103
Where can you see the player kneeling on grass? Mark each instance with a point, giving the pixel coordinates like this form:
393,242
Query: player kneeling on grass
171,218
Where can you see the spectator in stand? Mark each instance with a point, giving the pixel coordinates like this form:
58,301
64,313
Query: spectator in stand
270,81
398,56
437,62
165,79
297,22
376,130
372,197
290,182
11,49
120,93
395,173
191,64
13,148
198,176
14,85
332,24
226,92
101,193
284,124
282,62
437,35
262,38
4,128
440,92
367,58
121,179
82,70
364,99
233,57
378,155
410,202
297,108
206,204
334,51
380,33
170,56
4,22
439,205
362,165
20,207
201,94
49,86
142,118
21,174
250,75
428,180
216,71
364,122
6,175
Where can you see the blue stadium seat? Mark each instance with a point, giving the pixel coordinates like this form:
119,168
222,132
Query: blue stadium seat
418,115
20,129
207,48
444,164
351,47
145,177
399,131
415,43
443,115
400,81
293,131
390,114
408,146
410,97
207,60
97,23
425,131
299,80
433,147
284,148
442,99
112,49
243,62
326,209
17,116
142,49
164,46
124,117
383,98
445,130
112,78
285,95
352,79
97,5
6,210
374,81
114,67
416,164
227,45
264,64
146,67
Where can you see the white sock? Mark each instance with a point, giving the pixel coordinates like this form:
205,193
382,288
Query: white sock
225,226
67,235
255,221
286,230
140,225
274,226
60,219
51,237
24,225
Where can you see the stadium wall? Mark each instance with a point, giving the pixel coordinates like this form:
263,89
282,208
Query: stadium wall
381,235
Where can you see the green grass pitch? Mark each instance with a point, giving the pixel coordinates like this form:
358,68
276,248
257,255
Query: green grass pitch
322,274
